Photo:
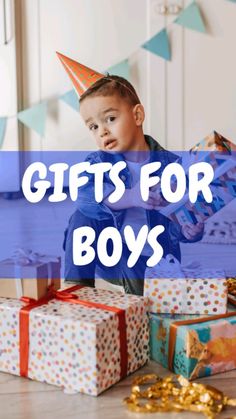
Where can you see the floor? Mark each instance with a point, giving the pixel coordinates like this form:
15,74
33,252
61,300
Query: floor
24,399
21,225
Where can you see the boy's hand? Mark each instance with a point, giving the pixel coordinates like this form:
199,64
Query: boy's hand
153,202
132,198
190,231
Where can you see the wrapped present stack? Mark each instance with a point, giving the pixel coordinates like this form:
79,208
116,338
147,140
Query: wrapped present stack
192,329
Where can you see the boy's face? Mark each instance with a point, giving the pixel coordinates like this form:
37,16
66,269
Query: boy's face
113,122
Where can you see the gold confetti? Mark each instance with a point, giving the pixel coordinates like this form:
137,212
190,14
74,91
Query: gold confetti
151,394
231,284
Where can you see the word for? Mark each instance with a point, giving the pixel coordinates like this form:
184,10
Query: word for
200,175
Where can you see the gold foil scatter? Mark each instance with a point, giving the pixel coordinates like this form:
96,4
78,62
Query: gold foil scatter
175,394
231,284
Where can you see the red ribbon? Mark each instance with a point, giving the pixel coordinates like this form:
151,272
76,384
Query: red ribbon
67,295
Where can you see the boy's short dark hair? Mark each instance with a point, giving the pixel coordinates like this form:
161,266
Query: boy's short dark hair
110,85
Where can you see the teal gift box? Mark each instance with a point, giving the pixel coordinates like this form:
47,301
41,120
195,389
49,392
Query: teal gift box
194,346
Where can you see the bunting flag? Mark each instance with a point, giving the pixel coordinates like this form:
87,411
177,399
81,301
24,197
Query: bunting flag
71,99
191,18
159,45
35,117
120,69
3,124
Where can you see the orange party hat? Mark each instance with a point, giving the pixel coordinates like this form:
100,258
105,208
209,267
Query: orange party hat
82,77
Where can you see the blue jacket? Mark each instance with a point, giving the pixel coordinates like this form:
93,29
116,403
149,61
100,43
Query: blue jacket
87,205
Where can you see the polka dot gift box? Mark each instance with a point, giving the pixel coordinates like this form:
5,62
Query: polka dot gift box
189,292
84,340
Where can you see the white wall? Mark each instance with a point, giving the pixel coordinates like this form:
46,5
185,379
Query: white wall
96,33
185,99
9,180
209,74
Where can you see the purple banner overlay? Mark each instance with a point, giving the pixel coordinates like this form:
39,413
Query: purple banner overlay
120,217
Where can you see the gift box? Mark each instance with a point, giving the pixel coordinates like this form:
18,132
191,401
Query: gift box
173,289
194,346
30,277
83,339
221,154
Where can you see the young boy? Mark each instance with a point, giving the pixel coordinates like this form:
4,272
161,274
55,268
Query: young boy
114,115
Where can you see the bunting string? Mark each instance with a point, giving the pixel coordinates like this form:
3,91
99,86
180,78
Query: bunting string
34,117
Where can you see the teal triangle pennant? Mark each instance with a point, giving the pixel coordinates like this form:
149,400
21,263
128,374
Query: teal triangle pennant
233,1
120,69
71,99
35,117
159,45
191,18
3,124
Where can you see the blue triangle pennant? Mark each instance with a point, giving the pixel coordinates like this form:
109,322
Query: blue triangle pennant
191,18
3,124
120,69
159,45
35,117
71,99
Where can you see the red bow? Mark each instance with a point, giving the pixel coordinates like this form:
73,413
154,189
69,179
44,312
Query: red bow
67,296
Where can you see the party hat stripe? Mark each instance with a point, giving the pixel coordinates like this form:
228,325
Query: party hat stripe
82,77
76,83
81,83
